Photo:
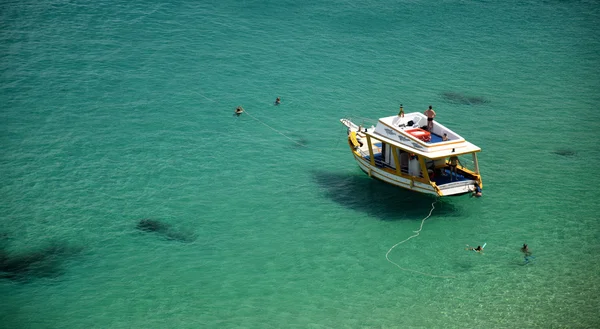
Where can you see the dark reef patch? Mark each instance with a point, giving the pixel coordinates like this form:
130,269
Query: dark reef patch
165,230
301,142
42,263
458,98
565,152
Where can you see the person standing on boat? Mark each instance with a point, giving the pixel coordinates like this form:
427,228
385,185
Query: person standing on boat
454,162
430,113
401,113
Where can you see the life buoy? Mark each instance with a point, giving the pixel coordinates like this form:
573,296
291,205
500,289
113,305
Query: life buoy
352,141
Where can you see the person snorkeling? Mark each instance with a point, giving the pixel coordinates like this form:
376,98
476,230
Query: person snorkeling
478,249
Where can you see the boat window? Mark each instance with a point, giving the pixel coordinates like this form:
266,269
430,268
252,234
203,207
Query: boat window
465,160
403,159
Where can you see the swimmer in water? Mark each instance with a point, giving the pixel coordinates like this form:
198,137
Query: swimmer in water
478,249
278,101
476,191
238,111
525,250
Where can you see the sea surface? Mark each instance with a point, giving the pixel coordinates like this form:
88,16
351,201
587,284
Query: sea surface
115,112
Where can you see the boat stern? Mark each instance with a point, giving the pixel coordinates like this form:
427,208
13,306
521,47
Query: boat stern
459,188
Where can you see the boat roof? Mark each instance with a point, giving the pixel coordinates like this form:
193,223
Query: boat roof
403,133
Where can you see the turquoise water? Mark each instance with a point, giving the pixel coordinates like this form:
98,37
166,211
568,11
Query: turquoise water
117,111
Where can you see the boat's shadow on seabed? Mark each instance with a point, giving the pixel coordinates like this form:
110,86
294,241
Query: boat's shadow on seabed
378,199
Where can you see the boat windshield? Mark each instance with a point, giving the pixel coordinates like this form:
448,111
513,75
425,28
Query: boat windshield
453,168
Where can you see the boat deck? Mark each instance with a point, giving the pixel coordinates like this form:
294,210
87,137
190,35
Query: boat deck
435,138
445,176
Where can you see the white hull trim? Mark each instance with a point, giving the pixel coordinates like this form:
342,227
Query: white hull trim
393,179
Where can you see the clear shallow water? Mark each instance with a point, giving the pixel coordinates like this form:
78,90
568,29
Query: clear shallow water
114,112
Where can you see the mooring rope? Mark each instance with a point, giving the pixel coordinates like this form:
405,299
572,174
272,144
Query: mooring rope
413,236
253,117
275,130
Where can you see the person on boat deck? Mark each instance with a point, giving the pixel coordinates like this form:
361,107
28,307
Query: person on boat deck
401,113
477,190
278,101
445,137
238,111
430,113
359,142
454,162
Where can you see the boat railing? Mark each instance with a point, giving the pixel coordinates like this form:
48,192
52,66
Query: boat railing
363,154
418,123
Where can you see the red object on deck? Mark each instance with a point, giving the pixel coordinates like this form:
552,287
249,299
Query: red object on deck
421,134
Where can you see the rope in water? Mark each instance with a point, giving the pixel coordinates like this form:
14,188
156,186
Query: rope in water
275,130
413,236
245,111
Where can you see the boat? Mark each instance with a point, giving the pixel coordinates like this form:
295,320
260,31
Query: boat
401,151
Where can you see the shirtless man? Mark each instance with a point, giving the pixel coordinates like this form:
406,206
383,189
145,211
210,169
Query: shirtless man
454,162
430,113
